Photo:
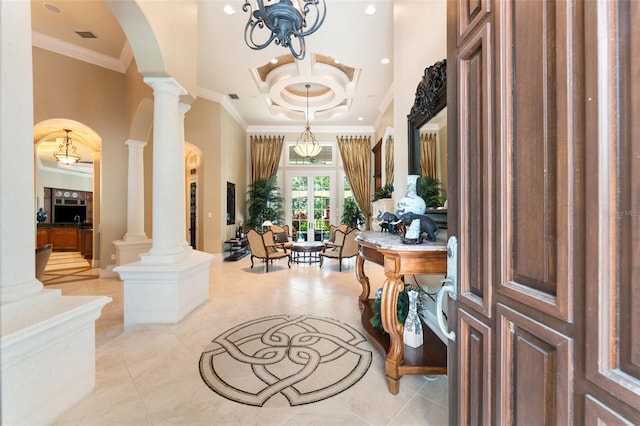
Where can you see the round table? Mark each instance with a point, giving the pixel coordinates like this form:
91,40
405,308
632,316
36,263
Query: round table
306,251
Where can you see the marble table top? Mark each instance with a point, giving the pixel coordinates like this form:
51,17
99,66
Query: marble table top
386,240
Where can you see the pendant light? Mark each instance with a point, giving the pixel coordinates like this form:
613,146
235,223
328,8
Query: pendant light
307,146
67,153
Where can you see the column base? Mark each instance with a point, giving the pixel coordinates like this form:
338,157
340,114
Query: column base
48,355
130,251
164,293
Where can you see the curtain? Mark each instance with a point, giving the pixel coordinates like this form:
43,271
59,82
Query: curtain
356,157
428,155
388,161
265,156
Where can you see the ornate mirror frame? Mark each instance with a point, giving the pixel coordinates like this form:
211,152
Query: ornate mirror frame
431,98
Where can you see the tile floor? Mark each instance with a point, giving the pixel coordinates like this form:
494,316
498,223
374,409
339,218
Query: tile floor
149,375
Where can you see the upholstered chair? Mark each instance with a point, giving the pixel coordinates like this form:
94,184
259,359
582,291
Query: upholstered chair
282,236
263,247
344,246
332,233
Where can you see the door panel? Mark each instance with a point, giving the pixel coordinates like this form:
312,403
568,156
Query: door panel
613,207
474,361
535,372
545,203
477,184
538,47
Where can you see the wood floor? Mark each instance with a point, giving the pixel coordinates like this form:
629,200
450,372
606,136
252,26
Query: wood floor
67,266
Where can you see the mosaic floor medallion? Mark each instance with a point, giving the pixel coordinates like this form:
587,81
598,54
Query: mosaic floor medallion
294,359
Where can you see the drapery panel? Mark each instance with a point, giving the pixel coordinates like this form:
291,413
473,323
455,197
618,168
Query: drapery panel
388,161
356,157
428,152
265,156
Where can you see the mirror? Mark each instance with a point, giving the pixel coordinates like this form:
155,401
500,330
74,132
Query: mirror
428,137
431,98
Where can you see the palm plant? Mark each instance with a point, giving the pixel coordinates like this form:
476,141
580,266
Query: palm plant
351,213
264,202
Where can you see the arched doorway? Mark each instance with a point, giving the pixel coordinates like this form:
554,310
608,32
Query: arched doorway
69,197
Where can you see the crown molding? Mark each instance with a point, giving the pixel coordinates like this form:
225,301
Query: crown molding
212,96
80,53
315,129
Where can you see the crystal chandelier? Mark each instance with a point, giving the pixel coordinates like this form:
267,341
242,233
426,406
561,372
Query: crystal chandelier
307,146
67,153
284,20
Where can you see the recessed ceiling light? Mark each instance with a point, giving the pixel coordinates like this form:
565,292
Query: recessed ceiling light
360,118
385,61
52,8
336,61
370,10
228,9
274,61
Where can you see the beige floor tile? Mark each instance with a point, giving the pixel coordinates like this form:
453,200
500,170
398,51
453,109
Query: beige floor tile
150,375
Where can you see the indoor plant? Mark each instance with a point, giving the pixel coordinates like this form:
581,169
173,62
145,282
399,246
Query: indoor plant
383,192
351,214
430,189
264,202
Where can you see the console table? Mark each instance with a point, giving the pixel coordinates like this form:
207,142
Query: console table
399,260
237,248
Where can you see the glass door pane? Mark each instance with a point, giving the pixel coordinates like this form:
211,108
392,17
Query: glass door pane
299,207
321,207
310,207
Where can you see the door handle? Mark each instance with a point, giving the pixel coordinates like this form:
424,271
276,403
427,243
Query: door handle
449,286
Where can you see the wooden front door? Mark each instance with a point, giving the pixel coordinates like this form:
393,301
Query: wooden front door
544,172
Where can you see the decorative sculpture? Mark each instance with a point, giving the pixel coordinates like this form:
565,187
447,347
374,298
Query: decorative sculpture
427,225
412,335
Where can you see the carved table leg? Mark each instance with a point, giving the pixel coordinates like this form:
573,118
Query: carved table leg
363,280
393,285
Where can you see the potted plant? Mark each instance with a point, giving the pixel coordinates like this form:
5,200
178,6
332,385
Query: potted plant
383,192
402,306
264,202
351,213
430,189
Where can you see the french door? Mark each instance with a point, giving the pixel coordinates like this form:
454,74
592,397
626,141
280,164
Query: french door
544,161
311,198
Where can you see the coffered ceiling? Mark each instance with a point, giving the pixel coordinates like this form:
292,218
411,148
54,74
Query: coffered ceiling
350,86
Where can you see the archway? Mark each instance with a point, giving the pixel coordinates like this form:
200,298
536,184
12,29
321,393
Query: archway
68,193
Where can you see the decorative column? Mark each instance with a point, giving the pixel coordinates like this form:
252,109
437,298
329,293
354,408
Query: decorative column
47,341
135,192
135,241
184,108
168,173
172,279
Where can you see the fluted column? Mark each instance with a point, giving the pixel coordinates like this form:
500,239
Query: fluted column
17,207
168,173
135,192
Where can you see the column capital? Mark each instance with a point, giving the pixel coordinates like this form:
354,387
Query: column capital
165,85
133,143
184,108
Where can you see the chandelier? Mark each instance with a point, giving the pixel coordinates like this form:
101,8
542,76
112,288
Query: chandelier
67,153
307,146
284,20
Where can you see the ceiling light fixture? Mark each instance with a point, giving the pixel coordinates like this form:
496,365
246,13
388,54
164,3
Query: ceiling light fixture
67,153
307,146
284,20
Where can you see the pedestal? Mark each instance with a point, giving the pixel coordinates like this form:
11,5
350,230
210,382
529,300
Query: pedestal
48,355
164,293
130,251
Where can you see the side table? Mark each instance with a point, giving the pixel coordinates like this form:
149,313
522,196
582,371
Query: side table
236,248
